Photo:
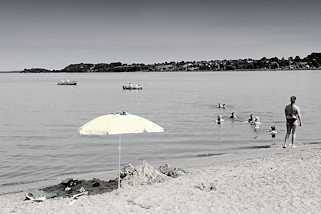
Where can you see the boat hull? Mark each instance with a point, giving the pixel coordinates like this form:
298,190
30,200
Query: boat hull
67,83
132,88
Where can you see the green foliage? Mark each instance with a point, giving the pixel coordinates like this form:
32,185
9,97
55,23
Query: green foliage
312,61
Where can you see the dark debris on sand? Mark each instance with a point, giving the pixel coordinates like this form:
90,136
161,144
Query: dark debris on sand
171,171
70,187
74,188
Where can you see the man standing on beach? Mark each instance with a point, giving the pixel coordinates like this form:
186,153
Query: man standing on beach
292,115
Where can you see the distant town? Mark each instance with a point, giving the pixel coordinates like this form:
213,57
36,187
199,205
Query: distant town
310,62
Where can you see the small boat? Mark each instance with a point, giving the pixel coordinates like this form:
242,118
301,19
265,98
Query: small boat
67,82
132,86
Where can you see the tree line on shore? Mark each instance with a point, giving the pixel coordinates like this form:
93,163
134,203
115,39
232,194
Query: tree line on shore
310,62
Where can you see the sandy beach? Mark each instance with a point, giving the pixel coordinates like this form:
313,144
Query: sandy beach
258,181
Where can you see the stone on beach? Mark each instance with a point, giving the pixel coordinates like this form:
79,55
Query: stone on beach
171,171
140,175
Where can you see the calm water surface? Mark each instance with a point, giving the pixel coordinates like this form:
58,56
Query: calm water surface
39,120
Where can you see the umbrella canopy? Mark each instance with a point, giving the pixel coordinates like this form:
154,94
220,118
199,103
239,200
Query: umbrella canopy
119,123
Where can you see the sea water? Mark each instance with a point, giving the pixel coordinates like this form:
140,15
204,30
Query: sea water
39,120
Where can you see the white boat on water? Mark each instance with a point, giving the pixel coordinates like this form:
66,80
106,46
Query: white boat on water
131,86
67,82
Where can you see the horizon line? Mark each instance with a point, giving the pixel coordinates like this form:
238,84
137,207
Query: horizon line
168,61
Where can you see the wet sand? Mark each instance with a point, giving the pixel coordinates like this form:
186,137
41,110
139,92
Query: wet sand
266,180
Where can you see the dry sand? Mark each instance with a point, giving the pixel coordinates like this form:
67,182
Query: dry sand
258,181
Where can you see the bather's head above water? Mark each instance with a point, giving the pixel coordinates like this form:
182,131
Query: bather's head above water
293,99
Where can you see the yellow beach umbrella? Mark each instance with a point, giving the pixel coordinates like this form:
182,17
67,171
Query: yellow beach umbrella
118,124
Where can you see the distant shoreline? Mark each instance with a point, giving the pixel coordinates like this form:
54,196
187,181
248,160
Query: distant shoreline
9,72
310,62
174,71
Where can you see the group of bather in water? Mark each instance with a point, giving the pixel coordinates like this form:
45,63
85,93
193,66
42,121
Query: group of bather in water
292,116
253,120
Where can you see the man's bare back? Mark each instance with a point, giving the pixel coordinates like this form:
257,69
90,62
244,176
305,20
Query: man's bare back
293,119
292,112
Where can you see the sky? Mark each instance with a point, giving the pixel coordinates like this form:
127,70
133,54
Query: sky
52,34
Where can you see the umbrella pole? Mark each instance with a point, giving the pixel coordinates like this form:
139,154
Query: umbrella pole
119,149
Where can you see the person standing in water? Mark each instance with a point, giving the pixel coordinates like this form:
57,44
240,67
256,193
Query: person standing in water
251,118
219,119
257,123
293,119
233,116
